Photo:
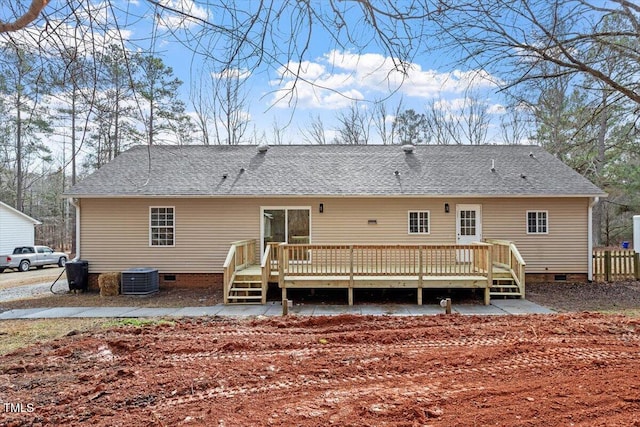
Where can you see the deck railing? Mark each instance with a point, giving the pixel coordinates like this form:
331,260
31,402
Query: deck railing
275,250
385,260
241,254
506,255
612,265
265,269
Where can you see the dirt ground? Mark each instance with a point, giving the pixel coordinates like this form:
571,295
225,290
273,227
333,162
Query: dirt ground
562,297
604,297
564,369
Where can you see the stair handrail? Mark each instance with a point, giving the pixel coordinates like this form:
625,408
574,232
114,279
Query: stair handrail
514,262
241,254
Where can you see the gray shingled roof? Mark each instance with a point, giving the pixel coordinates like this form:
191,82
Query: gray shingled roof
335,170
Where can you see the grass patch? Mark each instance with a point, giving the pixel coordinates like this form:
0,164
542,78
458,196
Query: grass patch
630,312
16,334
137,322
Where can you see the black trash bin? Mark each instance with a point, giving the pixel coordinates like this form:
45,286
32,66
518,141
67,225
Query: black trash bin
77,274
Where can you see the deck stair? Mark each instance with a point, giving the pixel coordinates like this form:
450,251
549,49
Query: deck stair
247,287
504,283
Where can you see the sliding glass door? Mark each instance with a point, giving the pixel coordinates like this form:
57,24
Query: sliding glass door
286,225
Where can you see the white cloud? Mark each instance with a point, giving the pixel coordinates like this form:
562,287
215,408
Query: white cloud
89,32
496,109
189,14
235,73
339,77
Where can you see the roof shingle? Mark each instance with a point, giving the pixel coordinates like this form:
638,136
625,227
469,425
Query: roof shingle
335,170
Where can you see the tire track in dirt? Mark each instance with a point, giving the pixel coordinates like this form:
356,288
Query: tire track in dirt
528,360
303,348
544,370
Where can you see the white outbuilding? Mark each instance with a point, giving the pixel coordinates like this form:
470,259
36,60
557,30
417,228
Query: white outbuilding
16,228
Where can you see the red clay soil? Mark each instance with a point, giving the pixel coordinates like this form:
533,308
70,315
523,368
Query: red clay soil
565,369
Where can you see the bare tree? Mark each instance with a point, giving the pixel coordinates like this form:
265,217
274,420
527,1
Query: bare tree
473,120
514,124
510,37
203,113
354,126
277,132
443,128
316,132
384,123
229,109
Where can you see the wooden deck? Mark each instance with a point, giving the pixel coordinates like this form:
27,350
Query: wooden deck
476,266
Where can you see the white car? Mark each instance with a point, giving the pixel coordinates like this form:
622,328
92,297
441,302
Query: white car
25,257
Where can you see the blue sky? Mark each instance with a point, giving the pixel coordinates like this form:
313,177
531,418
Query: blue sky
332,77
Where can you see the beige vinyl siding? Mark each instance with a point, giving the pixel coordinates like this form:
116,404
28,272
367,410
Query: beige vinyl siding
115,232
564,249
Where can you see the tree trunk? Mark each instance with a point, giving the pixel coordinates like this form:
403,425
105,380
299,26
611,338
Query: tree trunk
599,167
19,183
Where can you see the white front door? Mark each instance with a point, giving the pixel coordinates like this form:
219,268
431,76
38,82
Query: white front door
468,229
468,224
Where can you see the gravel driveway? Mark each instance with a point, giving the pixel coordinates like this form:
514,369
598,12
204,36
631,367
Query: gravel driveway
34,283
31,291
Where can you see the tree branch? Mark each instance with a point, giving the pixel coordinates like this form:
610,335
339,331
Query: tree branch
34,10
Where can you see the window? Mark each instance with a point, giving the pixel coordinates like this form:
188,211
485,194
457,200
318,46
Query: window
161,226
467,222
537,222
418,222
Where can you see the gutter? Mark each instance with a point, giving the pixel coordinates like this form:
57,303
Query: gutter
76,204
593,202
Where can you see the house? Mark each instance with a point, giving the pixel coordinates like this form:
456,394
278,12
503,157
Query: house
179,208
16,228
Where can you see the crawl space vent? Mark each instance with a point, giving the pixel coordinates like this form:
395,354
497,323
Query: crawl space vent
140,281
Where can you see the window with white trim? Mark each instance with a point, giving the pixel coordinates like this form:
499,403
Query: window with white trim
418,222
161,226
537,222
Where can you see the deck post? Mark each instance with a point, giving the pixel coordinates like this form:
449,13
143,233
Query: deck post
487,289
281,282
350,292
420,272
636,263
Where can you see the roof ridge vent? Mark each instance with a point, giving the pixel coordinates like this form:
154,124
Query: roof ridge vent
263,147
408,148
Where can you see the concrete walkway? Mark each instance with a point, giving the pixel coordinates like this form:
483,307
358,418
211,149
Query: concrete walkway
497,307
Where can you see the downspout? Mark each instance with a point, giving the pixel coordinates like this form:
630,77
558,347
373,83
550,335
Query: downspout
76,204
593,202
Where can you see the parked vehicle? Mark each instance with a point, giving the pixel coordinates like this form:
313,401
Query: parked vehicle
25,257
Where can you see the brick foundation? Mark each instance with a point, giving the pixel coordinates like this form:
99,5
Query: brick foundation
556,278
176,280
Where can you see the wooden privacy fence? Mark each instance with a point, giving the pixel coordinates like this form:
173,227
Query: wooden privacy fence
612,265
